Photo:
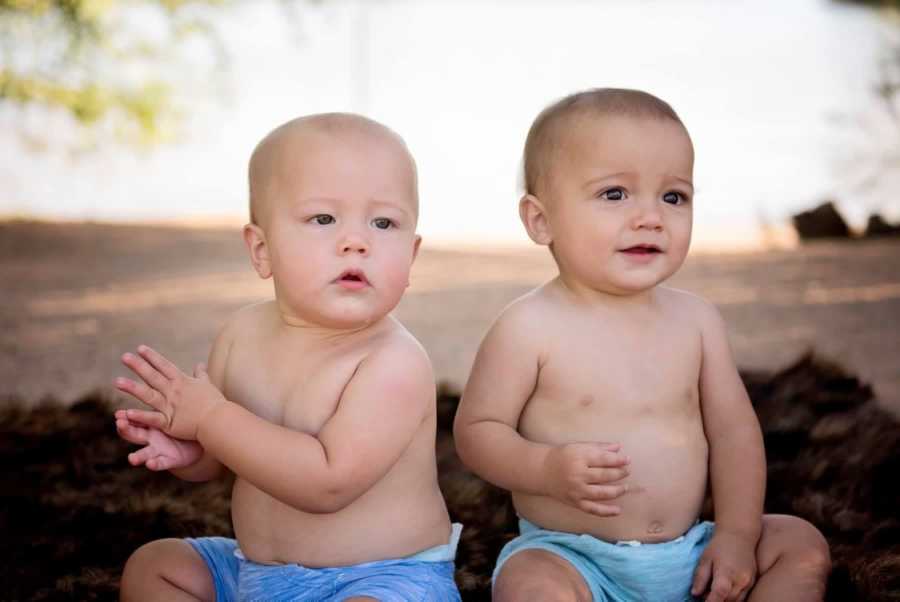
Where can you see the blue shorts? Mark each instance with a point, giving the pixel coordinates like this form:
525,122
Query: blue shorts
622,571
427,575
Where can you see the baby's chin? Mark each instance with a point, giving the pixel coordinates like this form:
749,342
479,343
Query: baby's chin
624,285
336,318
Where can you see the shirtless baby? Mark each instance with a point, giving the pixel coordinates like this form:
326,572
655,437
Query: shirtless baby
605,353
319,401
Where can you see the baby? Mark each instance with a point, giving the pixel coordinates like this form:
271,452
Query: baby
319,401
604,353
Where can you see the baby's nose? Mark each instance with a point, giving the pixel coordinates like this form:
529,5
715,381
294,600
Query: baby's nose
353,243
648,216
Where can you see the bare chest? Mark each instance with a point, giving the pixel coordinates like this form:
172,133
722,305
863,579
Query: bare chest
610,379
290,385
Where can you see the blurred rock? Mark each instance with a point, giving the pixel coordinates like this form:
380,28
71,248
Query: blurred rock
877,226
822,222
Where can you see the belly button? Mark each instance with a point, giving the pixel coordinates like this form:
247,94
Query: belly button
655,527
586,400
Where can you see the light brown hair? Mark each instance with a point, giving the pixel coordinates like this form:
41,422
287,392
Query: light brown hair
548,129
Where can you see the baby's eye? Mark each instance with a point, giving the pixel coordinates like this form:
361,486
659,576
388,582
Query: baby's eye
674,198
382,223
613,194
323,219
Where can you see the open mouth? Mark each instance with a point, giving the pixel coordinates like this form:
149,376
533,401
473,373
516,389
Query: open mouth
642,250
352,278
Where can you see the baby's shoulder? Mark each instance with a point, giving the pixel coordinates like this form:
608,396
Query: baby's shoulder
248,320
395,361
396,345
528,311
522,324
688,306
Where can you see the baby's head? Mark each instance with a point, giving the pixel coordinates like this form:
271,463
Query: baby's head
608,177
333,212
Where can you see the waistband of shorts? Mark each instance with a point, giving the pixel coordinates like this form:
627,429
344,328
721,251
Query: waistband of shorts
441,553
526,526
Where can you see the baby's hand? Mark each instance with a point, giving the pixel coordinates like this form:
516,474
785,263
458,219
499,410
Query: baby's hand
160,451
183,401
579,474
729,562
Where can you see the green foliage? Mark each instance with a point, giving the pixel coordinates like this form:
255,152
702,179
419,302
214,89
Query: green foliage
107,63
881,3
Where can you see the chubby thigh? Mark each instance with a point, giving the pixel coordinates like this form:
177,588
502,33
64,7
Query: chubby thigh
619,571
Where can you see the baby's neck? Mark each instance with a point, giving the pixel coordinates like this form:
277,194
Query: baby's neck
313,330
586,296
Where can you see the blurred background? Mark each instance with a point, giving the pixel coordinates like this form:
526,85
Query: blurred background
785,100
127,125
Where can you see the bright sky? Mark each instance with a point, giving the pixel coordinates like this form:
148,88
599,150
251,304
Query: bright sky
768,89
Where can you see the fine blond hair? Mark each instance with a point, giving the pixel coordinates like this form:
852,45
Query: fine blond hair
334,124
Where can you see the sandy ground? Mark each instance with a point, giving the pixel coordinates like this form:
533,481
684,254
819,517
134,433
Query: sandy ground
75,296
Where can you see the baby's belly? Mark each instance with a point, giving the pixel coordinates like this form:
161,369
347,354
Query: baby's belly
369,529
667,485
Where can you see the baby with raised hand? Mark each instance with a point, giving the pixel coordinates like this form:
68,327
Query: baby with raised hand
319,401
605,353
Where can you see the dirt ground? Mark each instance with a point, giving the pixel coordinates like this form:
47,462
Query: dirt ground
75,296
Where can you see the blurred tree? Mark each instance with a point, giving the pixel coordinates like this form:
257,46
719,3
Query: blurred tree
872,163
882,3
106,63
119,68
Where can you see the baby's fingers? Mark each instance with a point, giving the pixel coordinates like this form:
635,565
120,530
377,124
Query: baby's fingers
159,463
131,433
160,363
598,509
148,373
141,456
701,576
599,476
601,457
149,418
720,591
200,372
599,493
141,392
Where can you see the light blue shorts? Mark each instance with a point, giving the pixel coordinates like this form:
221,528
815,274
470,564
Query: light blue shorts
622,571
427,575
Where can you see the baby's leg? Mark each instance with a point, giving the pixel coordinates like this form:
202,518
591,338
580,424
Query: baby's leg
793,560
539,576
166,569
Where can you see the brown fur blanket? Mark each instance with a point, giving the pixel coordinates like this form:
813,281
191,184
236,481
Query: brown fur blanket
72,510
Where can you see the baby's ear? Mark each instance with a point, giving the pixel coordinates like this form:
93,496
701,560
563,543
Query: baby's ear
255,239
416,245
534,217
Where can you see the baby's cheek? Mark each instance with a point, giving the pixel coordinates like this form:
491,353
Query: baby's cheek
396,278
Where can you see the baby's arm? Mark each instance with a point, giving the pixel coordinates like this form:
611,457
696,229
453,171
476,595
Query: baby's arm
737,466
380,411
378,414
502,380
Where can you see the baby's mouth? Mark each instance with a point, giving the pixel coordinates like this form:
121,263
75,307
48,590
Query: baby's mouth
352,279
642,250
